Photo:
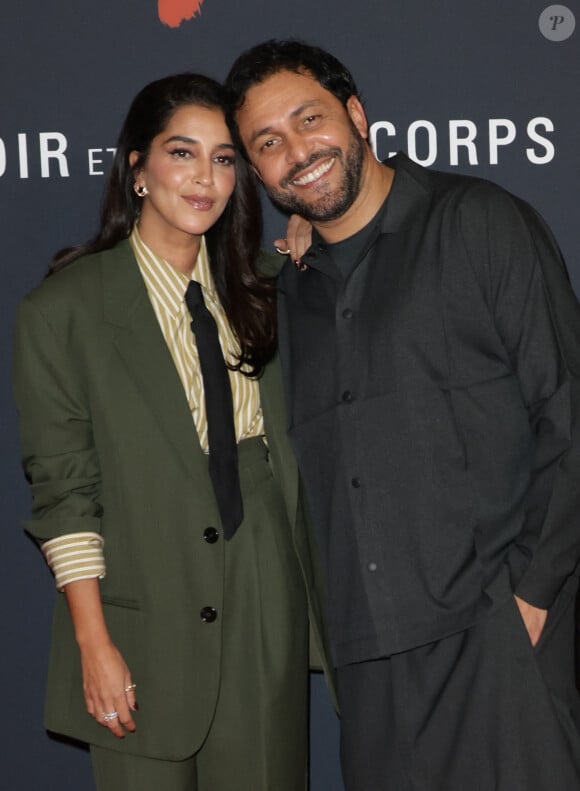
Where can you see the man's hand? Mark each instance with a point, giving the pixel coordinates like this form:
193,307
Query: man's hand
534,619
298,238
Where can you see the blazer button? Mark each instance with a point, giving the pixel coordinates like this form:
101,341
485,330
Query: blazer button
347,397
211,535
208,614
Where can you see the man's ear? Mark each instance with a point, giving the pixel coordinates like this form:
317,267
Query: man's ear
358,116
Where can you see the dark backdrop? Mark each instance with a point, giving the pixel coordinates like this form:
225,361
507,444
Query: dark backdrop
489,88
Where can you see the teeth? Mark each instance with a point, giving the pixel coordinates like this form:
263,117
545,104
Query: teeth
314,174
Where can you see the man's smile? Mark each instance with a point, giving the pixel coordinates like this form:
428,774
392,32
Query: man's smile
315,174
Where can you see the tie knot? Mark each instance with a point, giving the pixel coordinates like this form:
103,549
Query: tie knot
193,296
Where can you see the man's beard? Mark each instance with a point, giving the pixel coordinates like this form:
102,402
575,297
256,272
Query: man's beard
330,204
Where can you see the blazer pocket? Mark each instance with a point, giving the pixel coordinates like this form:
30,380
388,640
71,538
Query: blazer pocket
117,601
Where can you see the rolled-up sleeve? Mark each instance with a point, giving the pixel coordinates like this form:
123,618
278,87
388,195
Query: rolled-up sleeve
75,556
58,452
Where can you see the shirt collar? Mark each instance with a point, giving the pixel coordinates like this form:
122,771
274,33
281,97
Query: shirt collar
166,283
410,190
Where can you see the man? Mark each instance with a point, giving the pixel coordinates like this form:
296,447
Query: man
431,351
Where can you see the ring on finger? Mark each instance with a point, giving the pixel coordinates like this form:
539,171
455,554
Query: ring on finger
110,715
130,687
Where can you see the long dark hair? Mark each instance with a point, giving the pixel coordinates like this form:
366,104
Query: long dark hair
233,243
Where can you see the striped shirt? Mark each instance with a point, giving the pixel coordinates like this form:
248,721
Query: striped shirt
166,287
80,555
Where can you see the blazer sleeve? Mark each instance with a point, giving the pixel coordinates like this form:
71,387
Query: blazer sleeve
58,452
537,317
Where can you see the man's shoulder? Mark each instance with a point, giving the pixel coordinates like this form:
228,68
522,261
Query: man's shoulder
450,186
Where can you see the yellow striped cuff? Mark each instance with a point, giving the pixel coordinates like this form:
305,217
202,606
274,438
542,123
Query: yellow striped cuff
75,556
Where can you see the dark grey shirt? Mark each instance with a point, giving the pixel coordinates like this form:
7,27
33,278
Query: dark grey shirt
434,410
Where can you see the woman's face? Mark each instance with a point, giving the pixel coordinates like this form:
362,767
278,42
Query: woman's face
189,176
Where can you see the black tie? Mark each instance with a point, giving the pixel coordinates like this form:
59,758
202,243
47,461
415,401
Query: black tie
223,451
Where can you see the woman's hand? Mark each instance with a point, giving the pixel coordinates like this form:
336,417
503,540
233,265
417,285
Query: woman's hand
107,684
108,688
298,238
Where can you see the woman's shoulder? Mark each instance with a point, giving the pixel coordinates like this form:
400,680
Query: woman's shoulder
76,289
82,274
269,264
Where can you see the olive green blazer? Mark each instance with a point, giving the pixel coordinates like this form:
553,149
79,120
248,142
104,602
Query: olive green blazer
108,440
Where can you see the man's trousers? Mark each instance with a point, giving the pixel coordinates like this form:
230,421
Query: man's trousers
481,710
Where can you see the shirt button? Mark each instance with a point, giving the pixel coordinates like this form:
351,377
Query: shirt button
211,535
321,247
347,396
347,313
356,483
208,614
372,566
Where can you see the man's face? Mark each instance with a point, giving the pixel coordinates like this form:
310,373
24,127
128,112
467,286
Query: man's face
307,148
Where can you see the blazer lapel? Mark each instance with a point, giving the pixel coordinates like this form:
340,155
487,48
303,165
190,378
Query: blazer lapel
275,424
140,343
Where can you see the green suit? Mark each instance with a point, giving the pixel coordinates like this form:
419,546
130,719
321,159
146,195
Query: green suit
110,446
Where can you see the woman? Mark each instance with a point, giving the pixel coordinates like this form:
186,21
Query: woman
208,633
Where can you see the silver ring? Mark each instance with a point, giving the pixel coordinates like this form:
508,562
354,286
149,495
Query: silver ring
282,252
131,688
111,715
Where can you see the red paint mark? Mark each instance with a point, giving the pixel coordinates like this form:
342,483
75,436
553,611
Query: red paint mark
174,12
